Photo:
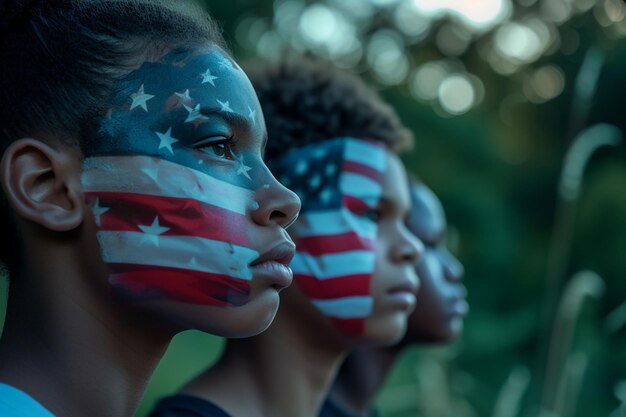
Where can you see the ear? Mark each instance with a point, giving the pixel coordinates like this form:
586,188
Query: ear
42,183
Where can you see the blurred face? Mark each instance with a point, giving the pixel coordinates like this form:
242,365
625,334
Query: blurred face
189,220
441,303
354,259
393,282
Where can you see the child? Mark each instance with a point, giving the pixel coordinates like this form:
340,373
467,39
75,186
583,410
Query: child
438,317
333,141
135,203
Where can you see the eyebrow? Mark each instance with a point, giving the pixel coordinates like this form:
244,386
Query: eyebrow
264,145
236,119
390,203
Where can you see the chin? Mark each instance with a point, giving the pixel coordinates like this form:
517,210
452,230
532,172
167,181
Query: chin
385,331
250,319
242,321
446,331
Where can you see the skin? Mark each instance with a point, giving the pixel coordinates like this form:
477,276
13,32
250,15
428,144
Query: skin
72,340
437,318
441,303
305,361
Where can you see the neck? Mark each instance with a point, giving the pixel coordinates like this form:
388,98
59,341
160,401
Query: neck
283,372
356,385
74,353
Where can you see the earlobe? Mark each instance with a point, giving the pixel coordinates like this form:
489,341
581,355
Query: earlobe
42,184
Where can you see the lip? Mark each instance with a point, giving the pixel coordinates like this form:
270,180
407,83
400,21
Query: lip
460,307
272,267
402,296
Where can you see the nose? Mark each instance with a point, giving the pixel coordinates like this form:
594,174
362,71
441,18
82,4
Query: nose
276,205
453,268
408,247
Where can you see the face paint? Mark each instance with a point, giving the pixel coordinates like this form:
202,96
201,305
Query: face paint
339,183
170,194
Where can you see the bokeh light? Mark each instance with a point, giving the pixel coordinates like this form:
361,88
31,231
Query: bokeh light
544,84
383,39
456,94
479,15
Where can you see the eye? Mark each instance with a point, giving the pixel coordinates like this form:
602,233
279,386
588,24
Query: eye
220,148
374,215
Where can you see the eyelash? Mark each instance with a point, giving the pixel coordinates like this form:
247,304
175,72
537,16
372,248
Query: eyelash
374,215
222,149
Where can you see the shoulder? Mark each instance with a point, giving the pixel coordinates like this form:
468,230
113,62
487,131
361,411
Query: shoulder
16,403
187,406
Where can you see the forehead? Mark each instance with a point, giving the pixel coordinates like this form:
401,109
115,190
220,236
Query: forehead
324,173
427,216
210,77
184,96
394,182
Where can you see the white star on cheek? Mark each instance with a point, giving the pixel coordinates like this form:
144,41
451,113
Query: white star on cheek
319,153
301,167
252,115
326,195
330,170
166,140
242,169
140,99
208,78
194,114
225,106
184,96
153,231
98,211
315,181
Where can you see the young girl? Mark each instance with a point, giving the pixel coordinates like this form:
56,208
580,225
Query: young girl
438,317
333,141
135,203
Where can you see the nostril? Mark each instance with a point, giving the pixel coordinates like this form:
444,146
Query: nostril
277,216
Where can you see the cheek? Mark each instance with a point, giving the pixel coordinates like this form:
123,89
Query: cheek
176,234
333,266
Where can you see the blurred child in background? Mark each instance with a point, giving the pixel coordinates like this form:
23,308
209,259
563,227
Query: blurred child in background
438,316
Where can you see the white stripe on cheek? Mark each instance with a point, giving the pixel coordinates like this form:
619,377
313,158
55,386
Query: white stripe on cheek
366,154
211,256
334,265
347,307
333,222
154,176
360,187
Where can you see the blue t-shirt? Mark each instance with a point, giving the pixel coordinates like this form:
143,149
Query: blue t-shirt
187,406
16,403
330,409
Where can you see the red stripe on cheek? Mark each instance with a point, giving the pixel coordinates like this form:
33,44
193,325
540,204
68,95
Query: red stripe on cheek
364,170
328,289
152,282
325,244
184,217
355,205
350,327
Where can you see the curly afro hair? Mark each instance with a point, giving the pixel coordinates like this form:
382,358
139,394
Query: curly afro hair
307,100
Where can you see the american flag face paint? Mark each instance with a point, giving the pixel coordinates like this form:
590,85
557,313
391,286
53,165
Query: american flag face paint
172,185
340,184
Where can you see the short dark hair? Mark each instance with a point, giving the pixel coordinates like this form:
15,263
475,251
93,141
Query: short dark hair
307,100
61,58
